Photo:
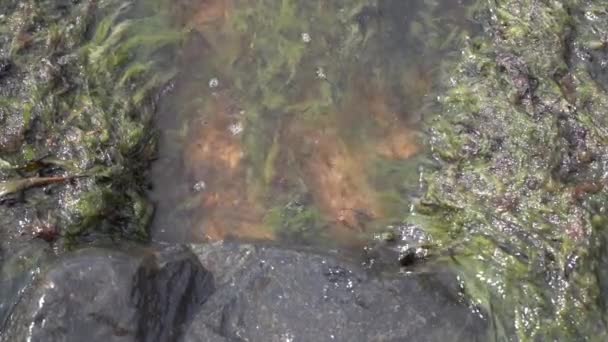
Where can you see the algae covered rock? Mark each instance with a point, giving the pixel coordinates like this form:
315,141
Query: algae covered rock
78,86
77,93
518,201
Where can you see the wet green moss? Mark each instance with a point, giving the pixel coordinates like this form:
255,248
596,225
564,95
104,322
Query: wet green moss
517,202
296,221
82,90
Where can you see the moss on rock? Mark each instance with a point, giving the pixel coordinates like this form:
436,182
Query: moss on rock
77,97
518,200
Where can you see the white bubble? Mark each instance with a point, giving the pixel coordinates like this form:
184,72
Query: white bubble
306,37
287,337
214,83
236,128
321,73
199,186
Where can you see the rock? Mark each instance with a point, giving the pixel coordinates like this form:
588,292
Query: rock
18,260
5,67
98,294
270,294
398,246
263,294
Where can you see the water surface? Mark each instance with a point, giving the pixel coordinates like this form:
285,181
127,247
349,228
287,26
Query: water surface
298,121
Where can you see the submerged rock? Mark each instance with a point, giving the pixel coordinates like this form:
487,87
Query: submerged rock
270,294
98,294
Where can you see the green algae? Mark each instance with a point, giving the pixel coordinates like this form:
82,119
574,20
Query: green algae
517,203
296,221
81,90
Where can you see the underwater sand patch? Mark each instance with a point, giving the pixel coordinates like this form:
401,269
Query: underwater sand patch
333,171
396,140
199,14
336,180
332,168
214,156
211,11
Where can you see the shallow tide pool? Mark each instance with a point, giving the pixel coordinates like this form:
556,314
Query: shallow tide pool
298,121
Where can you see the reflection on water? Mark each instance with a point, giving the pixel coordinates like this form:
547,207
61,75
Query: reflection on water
296,120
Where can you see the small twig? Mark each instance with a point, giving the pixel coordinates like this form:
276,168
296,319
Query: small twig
15,186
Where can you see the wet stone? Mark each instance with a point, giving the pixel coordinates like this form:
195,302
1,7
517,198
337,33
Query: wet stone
271,294
11,130
6,66
97,294
598,66
400,246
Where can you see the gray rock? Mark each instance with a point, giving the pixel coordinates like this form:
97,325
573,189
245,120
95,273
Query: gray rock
270,294
18,267
98,294
263,294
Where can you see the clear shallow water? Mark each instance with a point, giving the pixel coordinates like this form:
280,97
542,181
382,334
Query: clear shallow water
297,121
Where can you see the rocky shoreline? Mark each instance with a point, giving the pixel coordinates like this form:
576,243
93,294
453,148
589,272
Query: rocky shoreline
513,210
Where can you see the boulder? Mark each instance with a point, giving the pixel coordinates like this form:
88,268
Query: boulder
99,294
271,294
234,292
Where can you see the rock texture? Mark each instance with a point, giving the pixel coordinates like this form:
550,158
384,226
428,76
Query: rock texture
270,294
97,294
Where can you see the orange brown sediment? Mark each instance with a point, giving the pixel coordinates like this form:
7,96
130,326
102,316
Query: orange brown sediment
213,151
228,214
211,11
335,171
336,179
211,146
201,13
397,142
214,155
